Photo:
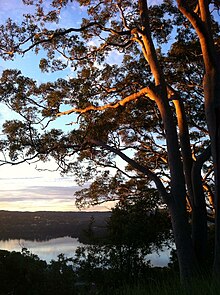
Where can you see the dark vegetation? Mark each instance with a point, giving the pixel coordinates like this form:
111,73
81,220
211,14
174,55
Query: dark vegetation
110,265
24,273
110,261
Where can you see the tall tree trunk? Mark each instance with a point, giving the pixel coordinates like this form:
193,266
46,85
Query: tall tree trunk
199,214
199,220
177,202
185,252
177,205
192,173
177,209
201,22
211,86
212,107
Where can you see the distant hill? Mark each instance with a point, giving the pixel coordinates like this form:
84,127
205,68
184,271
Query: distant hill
45,225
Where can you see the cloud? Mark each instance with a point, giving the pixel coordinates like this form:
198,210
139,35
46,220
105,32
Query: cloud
49,192
114,57
42,192
72,13
22,196
24,188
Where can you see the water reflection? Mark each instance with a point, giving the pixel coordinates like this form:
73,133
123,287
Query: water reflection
46,250
50,249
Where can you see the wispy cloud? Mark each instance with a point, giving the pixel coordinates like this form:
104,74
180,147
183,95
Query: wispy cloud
22,188
34,198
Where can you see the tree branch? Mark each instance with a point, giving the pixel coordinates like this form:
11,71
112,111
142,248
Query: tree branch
4,162
203,28
147,91
152,176
147,44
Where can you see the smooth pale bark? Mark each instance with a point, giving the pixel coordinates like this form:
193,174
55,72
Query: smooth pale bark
212,107
199,219
184,144
211,84
177,202
192,173
180,172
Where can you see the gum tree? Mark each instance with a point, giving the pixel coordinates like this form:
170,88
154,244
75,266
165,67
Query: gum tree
147,108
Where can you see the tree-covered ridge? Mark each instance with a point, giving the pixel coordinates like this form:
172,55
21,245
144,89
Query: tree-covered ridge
48,225
157,108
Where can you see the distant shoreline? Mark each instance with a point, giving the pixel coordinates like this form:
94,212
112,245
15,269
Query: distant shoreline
44,225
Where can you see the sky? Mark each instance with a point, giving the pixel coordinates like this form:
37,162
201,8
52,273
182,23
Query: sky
22,187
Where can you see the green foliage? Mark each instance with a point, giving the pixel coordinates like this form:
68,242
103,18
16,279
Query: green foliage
60,276
134,128
24,273
115,265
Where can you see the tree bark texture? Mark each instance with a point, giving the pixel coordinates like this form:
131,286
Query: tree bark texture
177,201
202,24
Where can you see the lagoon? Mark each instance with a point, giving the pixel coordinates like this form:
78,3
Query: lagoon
50,249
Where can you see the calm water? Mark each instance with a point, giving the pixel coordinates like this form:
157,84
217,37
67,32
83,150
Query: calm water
48,250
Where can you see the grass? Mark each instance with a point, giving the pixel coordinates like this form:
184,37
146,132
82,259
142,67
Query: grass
198,287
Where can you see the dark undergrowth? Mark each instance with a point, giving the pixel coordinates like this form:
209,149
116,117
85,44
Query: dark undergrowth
25,274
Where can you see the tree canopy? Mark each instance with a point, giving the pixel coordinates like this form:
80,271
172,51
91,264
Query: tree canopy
144,89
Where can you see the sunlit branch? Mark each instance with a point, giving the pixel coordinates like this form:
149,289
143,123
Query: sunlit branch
203,157
147,91
208,174
147,44
210,194
114,166
202,26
